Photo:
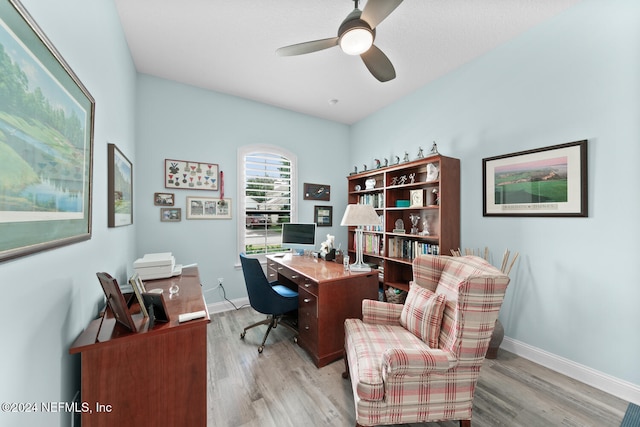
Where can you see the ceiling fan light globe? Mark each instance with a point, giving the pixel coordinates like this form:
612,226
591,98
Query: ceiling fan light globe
356,41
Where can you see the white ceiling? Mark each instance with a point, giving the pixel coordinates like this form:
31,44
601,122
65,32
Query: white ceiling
229,46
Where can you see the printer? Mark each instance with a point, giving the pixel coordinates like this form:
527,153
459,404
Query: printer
157,266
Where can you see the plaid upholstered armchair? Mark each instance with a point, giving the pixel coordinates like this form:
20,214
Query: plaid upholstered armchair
419,362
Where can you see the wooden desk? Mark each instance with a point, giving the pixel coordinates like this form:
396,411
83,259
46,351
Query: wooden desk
327,295
152,377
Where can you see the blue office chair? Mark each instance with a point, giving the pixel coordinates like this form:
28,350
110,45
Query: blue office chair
270,298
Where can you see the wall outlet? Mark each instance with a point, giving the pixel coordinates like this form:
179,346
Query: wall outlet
220,280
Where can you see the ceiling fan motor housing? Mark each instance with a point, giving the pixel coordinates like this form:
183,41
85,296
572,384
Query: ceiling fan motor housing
353,22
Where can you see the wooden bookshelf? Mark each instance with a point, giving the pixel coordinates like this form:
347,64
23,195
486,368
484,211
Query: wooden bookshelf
439,213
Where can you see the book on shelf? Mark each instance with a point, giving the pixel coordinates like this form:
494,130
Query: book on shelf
373,244
374,199
400,247
379,227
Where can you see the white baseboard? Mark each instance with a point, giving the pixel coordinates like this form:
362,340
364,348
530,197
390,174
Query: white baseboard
222,306
607,383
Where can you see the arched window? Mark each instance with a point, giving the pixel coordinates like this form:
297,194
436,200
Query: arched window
267,176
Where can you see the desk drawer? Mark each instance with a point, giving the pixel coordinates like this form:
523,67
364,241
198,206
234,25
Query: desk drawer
307,319
294,276
308,285
272,270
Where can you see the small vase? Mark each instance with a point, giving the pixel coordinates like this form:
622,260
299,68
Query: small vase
496,340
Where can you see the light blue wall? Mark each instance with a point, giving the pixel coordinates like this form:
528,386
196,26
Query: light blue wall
50,297
574,292
176,121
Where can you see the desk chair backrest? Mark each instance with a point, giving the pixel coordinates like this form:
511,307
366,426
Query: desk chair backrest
262,297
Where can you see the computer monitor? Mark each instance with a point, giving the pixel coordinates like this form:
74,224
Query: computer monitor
298,237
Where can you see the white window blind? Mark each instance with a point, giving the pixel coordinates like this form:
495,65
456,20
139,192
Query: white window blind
267,200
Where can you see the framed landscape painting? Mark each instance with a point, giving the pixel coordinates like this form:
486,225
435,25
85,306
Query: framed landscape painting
46,141
120,191
550,181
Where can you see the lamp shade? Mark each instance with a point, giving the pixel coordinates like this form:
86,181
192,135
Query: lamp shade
358,214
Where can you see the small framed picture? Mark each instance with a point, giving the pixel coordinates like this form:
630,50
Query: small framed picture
417,198
163,199
317,192
170,214
208,208
323,216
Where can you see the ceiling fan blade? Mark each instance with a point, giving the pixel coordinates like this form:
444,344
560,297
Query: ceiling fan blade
307,47
375,11
378,64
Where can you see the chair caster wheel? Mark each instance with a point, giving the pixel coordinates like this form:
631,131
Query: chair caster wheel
260,349
242,334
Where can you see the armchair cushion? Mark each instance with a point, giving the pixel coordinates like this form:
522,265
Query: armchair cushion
422,314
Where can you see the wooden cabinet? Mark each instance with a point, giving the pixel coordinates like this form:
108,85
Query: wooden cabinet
424,192
151,377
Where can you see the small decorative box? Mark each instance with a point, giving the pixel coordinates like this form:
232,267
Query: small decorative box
402,203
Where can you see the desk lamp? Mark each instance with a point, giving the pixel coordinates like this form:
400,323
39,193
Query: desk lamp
359,215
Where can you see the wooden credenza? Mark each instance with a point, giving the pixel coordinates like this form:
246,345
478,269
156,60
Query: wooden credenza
327,295
151,377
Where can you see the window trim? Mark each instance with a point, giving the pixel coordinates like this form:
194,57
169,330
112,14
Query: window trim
242,216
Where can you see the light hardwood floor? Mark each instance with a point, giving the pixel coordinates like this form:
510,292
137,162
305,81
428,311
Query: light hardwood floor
282,387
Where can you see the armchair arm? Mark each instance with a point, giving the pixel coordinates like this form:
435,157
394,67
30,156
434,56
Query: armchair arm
382,313
416,361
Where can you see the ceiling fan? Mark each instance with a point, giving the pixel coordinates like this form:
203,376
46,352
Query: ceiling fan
355,37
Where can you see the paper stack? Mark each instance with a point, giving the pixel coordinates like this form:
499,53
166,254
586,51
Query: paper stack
157,266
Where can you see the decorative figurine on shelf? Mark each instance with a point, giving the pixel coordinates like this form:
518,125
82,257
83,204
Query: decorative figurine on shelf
386,162
370,184
394,181
327,250
377,163
355,170
436,196
399,226
406,157
412,178
420,153
403,180
364,167
414,223
425,227
434,148
397,160
432,172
